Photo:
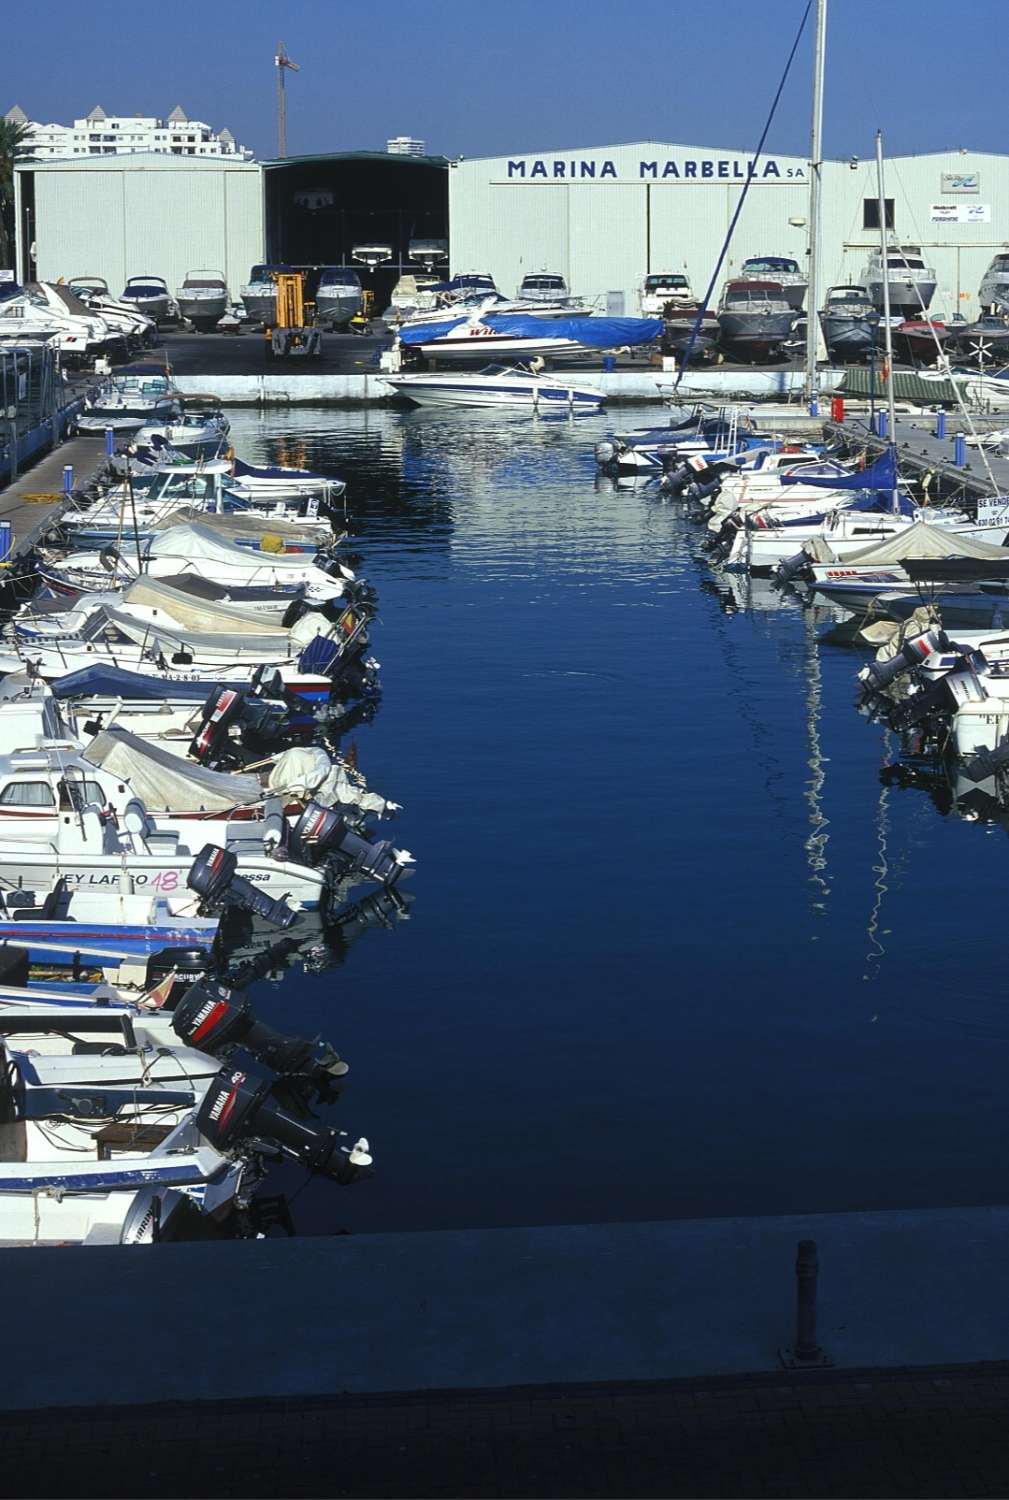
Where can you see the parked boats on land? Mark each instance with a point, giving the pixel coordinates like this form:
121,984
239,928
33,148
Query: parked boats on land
993,293
782,270
203,299
259,295
338,296
850,322
660,288
755,318
150,295
912,283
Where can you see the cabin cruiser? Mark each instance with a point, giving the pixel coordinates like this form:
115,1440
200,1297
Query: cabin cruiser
912,282
920,340
338,297
80,337
543,286
678,321
372,253
259,295
514,386
849,322
413,295
778,268
150,295
993,293
660,288
755,318
203,299
126,402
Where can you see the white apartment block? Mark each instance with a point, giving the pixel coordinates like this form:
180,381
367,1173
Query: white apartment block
99,134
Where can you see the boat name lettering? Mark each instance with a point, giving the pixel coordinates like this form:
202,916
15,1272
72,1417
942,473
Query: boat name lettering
683,169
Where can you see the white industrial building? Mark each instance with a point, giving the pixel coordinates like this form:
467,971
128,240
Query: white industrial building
607,216
100,134
133,215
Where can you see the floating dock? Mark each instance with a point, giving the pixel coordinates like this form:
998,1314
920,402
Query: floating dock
922,450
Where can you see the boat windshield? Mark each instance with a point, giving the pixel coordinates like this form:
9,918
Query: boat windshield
144,289
263,273
543,284
847,294
157,282
659,283
905,263
474,282
1000,263
339,276
763,265
504,370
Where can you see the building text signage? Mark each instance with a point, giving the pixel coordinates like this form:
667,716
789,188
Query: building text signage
960,213
671,169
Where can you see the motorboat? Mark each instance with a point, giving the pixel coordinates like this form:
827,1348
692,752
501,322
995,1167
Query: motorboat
678,324
849,321
513,386
471,286
920,340
983,342
413,295
338,297
912,282
660,288
372,253
80,336
543,286
93,292
754,318
128,401
259,295
150,295
427,252
857,578
780,269
203,299
521,336
199,431
993,293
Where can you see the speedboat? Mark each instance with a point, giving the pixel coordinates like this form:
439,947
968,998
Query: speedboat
912,282
993,293
543,286
471,285
849,322
498,385
199,431
660,288
780,269
126,402
755,318
30,312
338,297
203,299
93,292
921,340
150,295
465,338
259,295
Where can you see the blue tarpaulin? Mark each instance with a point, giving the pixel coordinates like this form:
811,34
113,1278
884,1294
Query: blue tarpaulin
882,475
594,333
116,682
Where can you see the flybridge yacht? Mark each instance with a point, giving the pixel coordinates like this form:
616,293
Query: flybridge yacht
203,298
912,282
659,288
338,297
779,268
150,295
994,289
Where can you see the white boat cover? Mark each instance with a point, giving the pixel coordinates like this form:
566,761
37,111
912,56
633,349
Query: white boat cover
165,783
192,613
308,772
234,523
918,541
198,542
277,646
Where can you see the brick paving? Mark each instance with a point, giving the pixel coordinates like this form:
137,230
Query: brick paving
929,1432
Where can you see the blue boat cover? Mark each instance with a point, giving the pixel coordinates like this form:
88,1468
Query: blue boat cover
594,333
271,473
115,682
882,475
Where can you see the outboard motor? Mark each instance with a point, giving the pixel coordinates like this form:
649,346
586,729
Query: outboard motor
943,697
215,880
216,1020
792,567
606,452
222,709
984,763
880,674
238,1107
320,831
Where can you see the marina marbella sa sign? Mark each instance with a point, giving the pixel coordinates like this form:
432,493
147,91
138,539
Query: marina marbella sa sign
672,169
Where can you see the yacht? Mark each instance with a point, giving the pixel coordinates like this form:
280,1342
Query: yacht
203,298
754,317
259,295
849,322
779,268
150,295
543,286
338,296
912,282
660,288
513,386
427,252
994,289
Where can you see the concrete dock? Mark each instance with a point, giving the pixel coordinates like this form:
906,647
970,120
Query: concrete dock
34,500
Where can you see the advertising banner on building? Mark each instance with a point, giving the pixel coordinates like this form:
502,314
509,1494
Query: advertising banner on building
960,182
960,213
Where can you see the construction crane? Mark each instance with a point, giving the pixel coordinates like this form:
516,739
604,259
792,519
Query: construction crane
282,61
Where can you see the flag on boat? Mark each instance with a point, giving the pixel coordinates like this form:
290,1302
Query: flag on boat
882,475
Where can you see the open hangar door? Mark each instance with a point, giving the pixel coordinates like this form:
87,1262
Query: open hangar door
319,208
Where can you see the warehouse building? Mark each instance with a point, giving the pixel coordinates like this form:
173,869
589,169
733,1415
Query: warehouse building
606,217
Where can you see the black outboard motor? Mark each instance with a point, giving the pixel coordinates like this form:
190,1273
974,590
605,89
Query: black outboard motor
792,567
320,831
239,1106
942,697
984,763
216,1020
215,880
222,708
880,674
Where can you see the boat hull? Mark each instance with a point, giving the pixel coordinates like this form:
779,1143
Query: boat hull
909,297
260,307
531,396
755,335
337,311
851,337
203,312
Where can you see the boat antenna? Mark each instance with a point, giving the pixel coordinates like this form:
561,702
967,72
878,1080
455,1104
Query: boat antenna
887,330
815,186
281,62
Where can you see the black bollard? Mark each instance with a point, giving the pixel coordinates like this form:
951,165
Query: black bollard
805,1353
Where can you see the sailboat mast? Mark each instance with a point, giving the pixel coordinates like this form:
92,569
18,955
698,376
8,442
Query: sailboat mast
887,331
815,176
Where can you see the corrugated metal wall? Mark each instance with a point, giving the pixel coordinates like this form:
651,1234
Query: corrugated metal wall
615,228
163,219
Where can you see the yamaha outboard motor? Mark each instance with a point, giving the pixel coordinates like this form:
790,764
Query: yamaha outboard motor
321,831
880,674
792,567
215,880
239,1107
222,708
216,1020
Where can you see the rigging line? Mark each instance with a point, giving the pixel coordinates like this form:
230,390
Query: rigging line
702,309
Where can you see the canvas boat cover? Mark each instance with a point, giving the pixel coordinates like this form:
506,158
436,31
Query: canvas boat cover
229,593
115,682
192,613
594,333
919,540
198,543
164,782
232,524
881,475
166,637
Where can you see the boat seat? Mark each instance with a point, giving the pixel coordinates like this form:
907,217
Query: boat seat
137,820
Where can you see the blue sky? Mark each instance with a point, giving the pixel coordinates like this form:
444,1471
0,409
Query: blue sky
519,76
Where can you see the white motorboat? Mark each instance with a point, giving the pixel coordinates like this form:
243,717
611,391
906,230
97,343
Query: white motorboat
202,298
259,295
543,286
857,578
80,337
912,282
127,401
766,542
150,295
372,253
513,386
200,431
338,297
413,296
94,292
993,292
660,288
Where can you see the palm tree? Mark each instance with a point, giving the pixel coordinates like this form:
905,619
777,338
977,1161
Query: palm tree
14,142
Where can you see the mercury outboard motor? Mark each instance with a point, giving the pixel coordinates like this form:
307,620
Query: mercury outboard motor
217,1020
880,674
239,1107
215,880
321,831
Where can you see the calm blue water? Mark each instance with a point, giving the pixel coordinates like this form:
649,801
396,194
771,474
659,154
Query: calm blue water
674,949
